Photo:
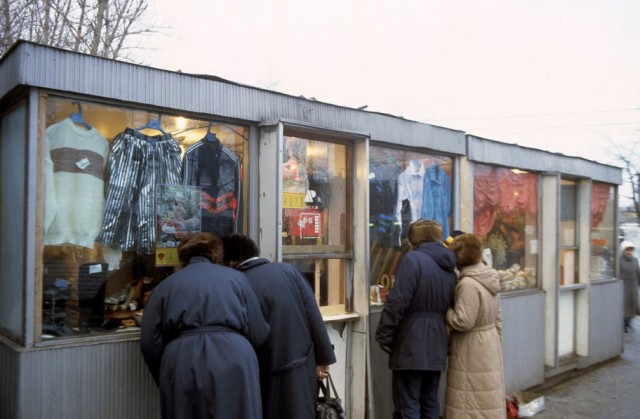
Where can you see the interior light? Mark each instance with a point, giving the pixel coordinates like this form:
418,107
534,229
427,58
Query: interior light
181,123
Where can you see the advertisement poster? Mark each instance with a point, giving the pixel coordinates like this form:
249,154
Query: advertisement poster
178,214
294,168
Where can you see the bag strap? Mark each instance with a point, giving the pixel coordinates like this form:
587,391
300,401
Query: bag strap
326,388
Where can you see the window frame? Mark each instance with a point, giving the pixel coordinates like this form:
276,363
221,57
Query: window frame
344,254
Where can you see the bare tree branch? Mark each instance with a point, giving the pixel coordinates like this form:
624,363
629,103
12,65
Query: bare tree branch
630,159
99,27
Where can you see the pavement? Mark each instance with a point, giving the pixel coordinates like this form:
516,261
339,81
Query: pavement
609,390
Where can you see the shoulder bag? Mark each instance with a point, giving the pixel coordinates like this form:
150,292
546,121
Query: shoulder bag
328,405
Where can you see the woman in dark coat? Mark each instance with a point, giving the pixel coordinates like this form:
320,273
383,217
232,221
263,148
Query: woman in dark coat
298,351
412,326
198,329
630,275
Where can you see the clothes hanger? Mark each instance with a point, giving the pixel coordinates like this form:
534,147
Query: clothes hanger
211,136
77,117
152,124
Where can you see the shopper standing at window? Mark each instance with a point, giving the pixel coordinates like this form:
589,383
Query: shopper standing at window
298,351
198,329
475,379
412,326
630,275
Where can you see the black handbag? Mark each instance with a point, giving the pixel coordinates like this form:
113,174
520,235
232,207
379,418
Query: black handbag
328,405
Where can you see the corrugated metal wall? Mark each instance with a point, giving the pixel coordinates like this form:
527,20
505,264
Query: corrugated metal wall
100,381
57,69
511,155
9,381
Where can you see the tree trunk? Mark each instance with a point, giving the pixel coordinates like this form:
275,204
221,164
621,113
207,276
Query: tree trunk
99,22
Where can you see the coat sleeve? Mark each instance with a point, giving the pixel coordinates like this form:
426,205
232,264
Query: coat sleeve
151,338
462,317
318,330
257,329
398,300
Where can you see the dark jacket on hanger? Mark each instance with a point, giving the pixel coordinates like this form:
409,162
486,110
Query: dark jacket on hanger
213,167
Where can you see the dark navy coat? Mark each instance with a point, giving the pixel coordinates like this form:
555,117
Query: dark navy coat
412,324
198,329
298,341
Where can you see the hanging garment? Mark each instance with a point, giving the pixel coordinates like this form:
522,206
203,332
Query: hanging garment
211,166
383,179
436,197
74,184
410,188
138,163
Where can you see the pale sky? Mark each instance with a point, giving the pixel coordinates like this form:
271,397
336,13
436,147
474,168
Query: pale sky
561,75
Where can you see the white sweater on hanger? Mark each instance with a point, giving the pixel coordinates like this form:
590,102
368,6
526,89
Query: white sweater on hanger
75,160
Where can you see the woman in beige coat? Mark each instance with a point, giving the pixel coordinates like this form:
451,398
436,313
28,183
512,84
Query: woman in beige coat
475,380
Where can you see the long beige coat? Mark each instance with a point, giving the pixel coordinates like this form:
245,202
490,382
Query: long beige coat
475,379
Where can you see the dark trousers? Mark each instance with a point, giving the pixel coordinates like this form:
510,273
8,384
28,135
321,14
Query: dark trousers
415,394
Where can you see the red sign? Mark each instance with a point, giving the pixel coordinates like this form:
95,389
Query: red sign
306,223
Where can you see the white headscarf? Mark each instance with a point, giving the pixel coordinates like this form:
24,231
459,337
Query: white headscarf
625,245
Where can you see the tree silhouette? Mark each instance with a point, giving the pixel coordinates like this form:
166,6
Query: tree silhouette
105,28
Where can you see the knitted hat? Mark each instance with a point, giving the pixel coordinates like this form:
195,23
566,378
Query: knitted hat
424,231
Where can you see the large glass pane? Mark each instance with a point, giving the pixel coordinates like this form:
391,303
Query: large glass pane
327,280
602,231
568,232
505,217
568,212
316,220
403,187
120,193
13,133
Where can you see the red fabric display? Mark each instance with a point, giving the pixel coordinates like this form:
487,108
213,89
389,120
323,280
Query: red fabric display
599,202
500,188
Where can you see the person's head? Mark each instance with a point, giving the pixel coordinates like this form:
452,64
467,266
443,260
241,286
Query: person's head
200,244
238,248
627,248
449,240
468,250
422,231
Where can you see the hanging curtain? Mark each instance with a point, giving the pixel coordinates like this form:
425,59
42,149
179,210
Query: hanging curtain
518,192
486,198
501,189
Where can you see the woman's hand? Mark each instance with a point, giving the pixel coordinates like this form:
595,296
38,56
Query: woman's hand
322,371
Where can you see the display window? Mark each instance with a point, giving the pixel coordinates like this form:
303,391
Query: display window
404,186
568,232
122,186
505,217
603,235
317,216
